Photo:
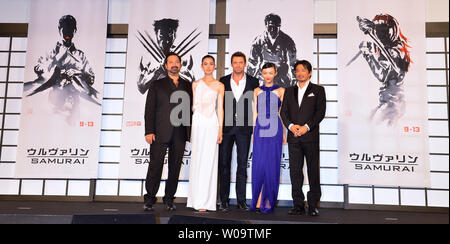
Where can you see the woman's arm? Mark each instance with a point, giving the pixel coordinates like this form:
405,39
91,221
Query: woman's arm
281,95
220,111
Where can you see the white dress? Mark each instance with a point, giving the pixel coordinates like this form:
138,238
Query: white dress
204,150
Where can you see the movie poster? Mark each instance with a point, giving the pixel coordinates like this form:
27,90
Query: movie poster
383,125
60,120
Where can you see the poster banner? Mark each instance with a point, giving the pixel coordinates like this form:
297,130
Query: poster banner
155,29
383,125
268,31
60,119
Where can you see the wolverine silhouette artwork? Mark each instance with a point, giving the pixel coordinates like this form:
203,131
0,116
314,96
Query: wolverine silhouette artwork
166,35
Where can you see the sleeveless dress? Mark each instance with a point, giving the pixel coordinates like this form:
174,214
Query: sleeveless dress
267,150
204,150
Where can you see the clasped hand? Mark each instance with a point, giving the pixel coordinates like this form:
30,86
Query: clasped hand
298,130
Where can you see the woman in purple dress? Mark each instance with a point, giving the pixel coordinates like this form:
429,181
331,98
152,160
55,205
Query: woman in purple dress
268,140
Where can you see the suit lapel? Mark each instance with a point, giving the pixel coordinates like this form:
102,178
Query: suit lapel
228,83
305,96
296,96
247,85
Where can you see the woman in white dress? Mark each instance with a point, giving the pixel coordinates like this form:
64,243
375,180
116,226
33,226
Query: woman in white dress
207,123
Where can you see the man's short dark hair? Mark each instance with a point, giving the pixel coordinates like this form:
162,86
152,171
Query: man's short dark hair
67,21
239,54
172,54
275,19
303,63
170,24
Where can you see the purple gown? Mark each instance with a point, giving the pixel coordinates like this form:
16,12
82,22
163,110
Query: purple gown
267,149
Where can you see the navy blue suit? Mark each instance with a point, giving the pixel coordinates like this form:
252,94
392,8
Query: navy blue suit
238,128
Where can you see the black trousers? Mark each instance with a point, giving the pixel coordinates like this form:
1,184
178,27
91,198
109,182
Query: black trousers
157,154
297,154
242,141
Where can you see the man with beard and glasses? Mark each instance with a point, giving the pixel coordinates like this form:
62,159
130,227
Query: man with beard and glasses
164,130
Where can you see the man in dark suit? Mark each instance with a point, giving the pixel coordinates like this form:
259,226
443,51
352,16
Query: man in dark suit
167,126
238,129
303,109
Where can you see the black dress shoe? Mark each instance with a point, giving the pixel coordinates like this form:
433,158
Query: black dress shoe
170,207
224,207
297,211
243,206
313,212
148,207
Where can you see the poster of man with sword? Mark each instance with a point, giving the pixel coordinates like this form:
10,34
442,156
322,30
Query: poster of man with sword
382,94
389,59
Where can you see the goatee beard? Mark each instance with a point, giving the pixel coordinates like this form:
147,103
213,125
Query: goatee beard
174,71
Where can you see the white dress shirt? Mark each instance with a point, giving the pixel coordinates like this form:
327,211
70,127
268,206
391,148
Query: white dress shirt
301,94
238,90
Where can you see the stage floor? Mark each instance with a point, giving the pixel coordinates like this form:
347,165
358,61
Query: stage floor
21,212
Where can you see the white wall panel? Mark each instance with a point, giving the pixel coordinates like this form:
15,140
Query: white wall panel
19,44
114,75
113,91
9,187
6,171
8,154
55,187
130,188
32,187
3,72
332,194
386,196
412,197
17,59
13,105
4,43
16,74
438,198
359,195
108,171
78,188
112,106
107,187
15,90
439,163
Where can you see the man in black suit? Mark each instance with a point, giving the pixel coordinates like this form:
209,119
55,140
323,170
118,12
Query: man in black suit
167,126
238,129
303,109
